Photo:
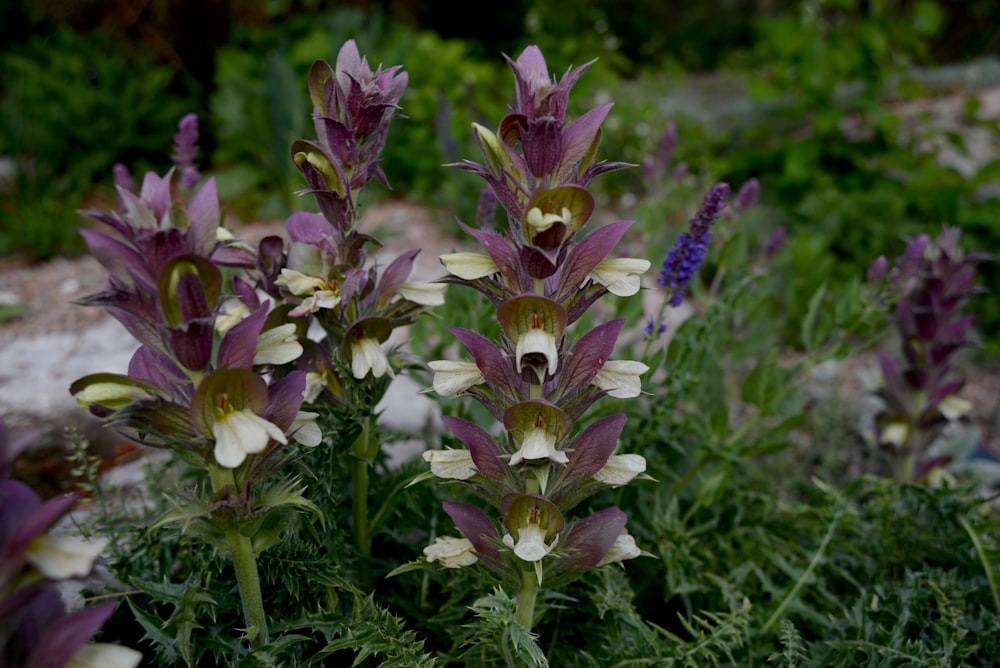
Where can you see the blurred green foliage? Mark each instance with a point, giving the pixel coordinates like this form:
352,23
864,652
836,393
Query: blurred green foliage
813,97
72,106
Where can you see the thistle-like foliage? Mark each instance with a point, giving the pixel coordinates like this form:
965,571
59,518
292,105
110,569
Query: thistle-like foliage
35,627
932,282
542,274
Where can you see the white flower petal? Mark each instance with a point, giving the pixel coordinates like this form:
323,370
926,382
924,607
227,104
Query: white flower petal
620,275
540,222
304,429
298,283
620,378
621,469
367,355
278,345
623,548
896,433
105,655
110,394
318,300
530,545
452,378
61,556
469,266
315,384
538,444
451,552
241,433
424,293
538,341
451,464
953,407
231,313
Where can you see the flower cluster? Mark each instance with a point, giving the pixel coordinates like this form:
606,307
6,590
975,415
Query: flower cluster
542,276
208,378
324,274
196,382
932,281
36,629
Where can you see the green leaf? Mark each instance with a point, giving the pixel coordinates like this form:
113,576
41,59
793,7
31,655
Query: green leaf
812,332
763,386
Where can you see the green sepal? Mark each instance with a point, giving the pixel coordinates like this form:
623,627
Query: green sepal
520,314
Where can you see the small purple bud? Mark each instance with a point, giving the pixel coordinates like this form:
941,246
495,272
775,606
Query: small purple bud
650,326
747,195
123,178
667,145
775,242
680,171
185,151
486,208
878,269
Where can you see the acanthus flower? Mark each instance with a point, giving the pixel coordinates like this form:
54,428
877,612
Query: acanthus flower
621,378
451,552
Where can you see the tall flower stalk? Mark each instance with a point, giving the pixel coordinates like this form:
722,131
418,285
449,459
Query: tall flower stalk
931,282
325,275
539,379
202,382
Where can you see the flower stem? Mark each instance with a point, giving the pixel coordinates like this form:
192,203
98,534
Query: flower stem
363,457
245,563
526,596
241,547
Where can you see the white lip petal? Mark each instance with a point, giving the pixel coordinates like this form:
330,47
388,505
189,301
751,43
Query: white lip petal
241,433
424,293
538,341
469,266
620,378
530,545
304,429
538,444
367,355
298,283
451,464
60,556
621,469
623,548
451,552
452,378
105,655
620,275
278,345
953,407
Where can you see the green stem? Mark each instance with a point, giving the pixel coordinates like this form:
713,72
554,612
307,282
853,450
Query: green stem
526,596
363,457
906,464
245,563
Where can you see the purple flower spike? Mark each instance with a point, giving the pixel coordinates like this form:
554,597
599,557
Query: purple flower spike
747,195
186,150
685,258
